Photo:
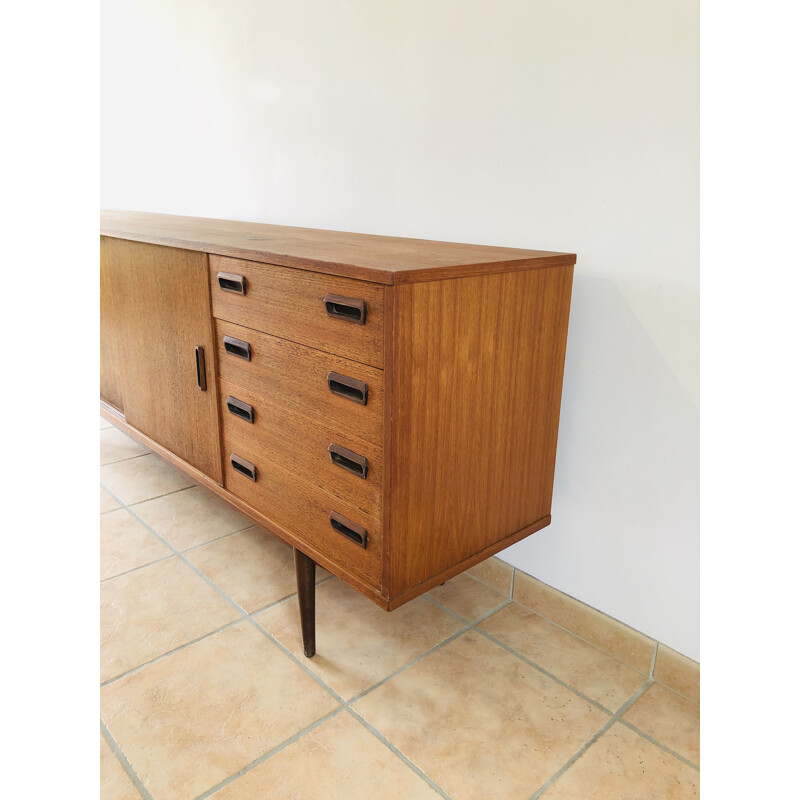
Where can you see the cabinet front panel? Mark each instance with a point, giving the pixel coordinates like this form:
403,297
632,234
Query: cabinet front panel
351,470
162,315
338,315
292,377
302,507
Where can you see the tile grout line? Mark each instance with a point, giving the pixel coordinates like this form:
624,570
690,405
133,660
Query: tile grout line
653,661
578,636
273,751
135,569
313,675
587,744
172,555
347,704
519,655
127,458
655,741
126,765
443,643
482,582
544,672
511,586
243,613
161,657
399,753
147,499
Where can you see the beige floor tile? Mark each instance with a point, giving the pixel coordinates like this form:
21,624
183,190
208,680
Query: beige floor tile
253,567
117,446
191,517
598,675
359,643
624,766
147,613
191,720
495,573
467,597
480,722
126,544
107,502
678,672
115,783
606,633
339,760
668,718
142,478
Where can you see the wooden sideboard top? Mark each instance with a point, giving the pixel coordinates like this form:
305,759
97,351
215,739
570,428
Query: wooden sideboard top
382,259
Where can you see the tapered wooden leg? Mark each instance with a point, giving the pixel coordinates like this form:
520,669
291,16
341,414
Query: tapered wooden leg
305,568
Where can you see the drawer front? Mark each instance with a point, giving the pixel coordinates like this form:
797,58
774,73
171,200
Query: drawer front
288,376
322,311
303,508
345,467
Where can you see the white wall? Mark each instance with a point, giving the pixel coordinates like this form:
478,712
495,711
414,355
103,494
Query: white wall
555,124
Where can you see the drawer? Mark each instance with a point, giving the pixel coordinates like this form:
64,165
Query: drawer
345,467
291,303
304,509
294,378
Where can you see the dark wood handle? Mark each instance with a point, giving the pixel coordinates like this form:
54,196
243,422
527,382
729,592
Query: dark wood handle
242,410
200,366
349,388
349,309
236,347
347,459
229,282
245,467
349,529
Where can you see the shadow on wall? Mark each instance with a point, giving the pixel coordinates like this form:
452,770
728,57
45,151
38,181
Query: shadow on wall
625,509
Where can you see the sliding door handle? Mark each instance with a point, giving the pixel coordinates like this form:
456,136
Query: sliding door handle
200,366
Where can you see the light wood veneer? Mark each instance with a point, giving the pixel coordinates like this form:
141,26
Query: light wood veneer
460,357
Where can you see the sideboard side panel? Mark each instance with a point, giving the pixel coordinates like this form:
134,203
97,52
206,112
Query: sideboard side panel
477,371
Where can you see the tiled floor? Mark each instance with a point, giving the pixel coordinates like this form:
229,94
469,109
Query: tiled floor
461,693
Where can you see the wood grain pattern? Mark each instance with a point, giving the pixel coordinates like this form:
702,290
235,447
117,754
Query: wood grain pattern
383,259
289,303
258,516
162,312
478,367
284,437
294,377
110,377
303,508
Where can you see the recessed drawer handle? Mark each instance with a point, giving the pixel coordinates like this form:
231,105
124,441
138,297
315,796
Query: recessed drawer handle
346,308
236,347
349,529
229,282
240,409
245,467
200,366
349,388
348,460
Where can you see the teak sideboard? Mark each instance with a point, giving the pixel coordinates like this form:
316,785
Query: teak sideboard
389,407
